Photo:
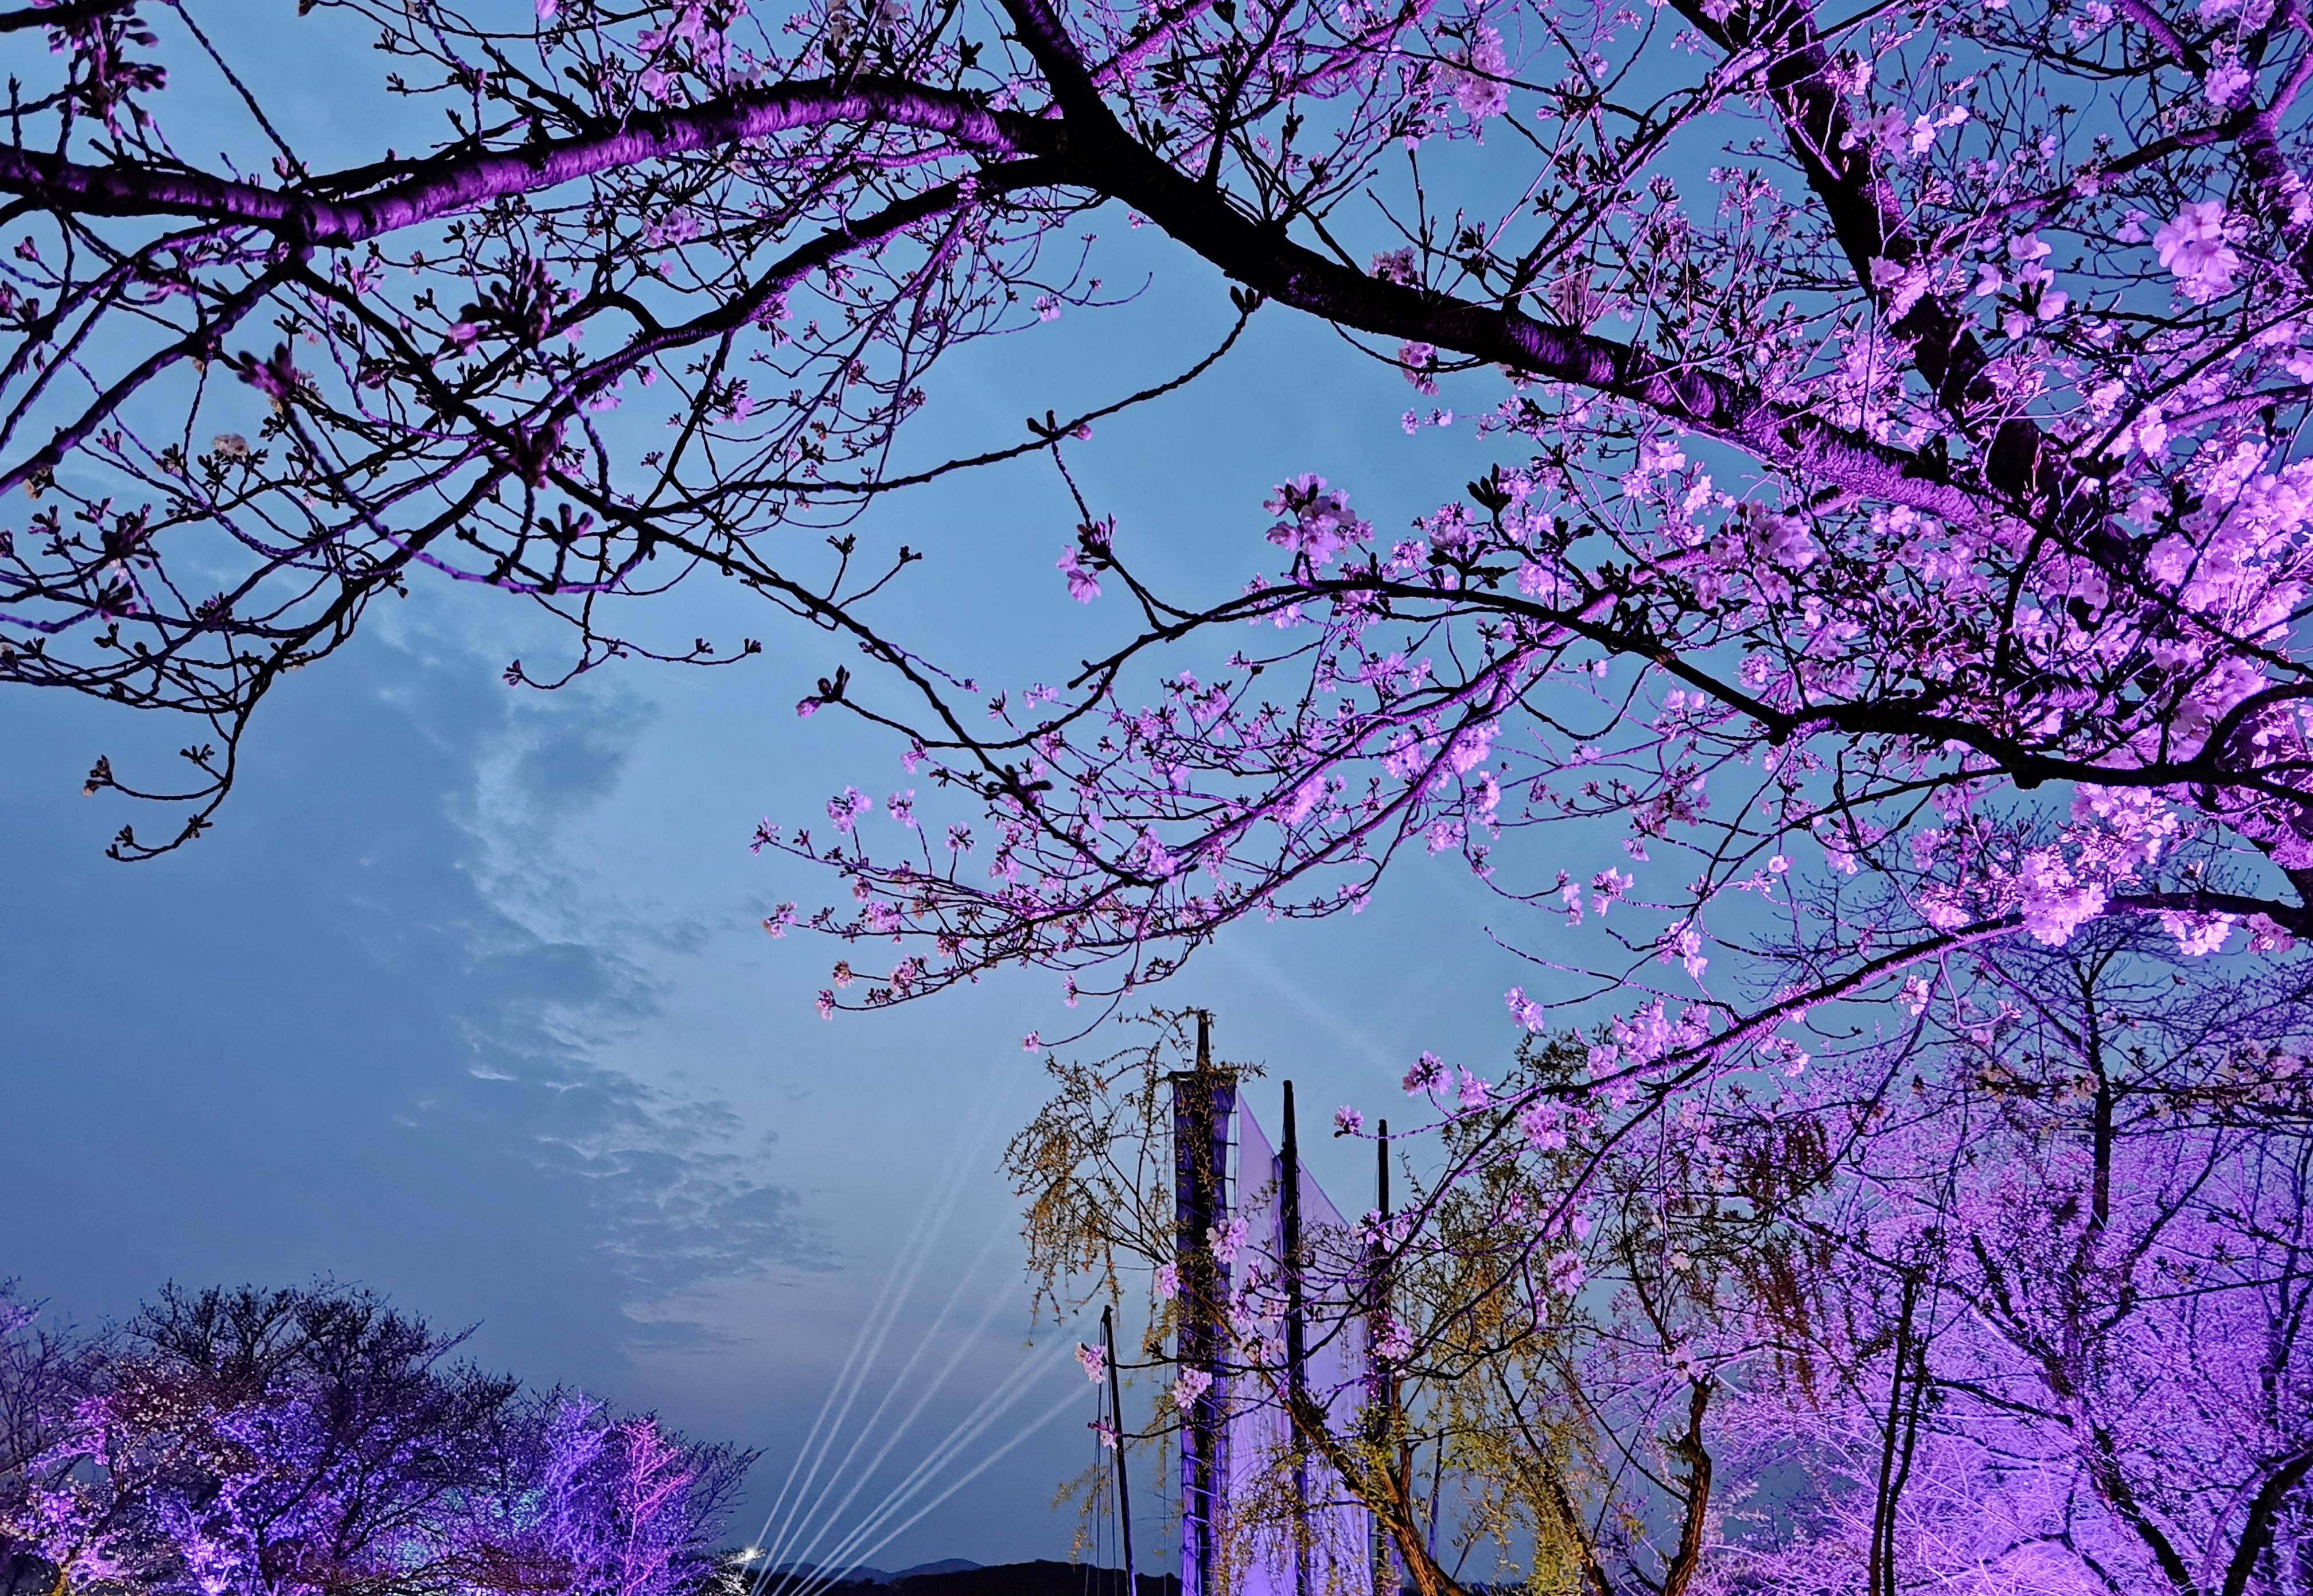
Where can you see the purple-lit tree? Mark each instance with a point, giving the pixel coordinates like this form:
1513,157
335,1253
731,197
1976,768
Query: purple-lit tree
615,1506
44,1371
265,1443
2037,1318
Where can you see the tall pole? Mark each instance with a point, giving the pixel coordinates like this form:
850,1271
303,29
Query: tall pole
1116,1421
1381,1170
1203,1100
1296,1338
1436,1488
1385,1561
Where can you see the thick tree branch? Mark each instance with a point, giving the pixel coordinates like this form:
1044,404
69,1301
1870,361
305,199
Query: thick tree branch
447,186
2264,1512
1265,259
67,13
1261,257
2020,462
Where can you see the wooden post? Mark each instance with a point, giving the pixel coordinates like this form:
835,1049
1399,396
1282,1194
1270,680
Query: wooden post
1116,1420
1203,1100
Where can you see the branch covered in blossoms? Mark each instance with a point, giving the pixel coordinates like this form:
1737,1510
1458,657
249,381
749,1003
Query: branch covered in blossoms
323,385
1900,542
1918,563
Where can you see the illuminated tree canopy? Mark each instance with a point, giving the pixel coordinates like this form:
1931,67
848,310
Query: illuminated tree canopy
317,1439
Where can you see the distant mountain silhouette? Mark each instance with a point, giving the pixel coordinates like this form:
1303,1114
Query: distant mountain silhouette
954,1576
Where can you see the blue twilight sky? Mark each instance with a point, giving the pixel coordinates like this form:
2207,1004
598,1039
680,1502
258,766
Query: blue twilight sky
466,1001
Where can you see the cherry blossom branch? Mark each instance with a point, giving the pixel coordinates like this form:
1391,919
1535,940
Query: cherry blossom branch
451,185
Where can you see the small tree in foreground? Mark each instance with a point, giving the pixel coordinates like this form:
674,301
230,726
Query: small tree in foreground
298,1442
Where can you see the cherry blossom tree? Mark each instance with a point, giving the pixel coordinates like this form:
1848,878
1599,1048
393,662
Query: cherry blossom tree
2036,1324
309,1440
1875,581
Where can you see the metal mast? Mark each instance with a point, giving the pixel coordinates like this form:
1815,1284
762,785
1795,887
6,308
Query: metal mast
1203,1100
